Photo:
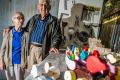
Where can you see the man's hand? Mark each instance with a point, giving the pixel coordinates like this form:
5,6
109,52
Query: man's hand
6,30
2,64
54,50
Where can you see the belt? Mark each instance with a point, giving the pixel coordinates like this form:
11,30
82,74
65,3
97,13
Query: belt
36,44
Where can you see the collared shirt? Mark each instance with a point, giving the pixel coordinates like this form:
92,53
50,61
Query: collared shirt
16,46
38,32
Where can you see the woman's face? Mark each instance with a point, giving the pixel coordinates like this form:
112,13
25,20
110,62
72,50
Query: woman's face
18,20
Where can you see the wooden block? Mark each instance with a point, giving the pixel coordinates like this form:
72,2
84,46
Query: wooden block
37,70
55,59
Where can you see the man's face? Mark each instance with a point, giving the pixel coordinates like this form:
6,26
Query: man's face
18,20
43,8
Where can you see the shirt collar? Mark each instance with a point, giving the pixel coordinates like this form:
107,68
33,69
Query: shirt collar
46,18
14,31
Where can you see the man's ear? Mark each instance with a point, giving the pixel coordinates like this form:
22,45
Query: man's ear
49,7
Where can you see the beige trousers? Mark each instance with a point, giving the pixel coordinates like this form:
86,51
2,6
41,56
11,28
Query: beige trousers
35,56
14,72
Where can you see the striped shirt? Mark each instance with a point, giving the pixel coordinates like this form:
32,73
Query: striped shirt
38,32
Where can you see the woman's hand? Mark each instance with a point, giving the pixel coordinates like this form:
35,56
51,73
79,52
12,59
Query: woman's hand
2,64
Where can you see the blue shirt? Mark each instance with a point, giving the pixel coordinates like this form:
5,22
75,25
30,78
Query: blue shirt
16,46
38,32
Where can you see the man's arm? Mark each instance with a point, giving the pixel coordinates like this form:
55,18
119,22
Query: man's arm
7,30
2,52
31,23
56,38
27,26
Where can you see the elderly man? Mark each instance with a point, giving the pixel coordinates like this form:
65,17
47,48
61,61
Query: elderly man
45,33
13,55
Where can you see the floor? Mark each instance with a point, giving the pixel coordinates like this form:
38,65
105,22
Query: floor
2,75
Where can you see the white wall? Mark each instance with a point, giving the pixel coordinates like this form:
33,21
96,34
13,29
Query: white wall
54,7
62,8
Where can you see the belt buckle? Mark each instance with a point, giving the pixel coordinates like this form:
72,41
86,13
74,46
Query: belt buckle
37,45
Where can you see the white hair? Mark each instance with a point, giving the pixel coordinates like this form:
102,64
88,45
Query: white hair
20,13
48,1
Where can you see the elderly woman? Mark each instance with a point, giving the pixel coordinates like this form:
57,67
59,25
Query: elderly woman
13,55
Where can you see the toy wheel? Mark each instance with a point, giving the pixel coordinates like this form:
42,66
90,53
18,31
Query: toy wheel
70,64
69,75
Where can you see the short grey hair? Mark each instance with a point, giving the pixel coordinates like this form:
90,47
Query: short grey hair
48,1
20,13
